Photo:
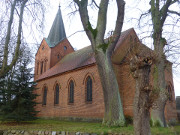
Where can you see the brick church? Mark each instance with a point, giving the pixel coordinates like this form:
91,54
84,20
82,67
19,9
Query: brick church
68,81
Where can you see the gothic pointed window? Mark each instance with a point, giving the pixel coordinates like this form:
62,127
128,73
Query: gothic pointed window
37,70
170,92
41,67
45,65
44,95
71,92
56,95
89,89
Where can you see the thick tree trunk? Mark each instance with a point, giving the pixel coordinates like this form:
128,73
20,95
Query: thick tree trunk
157,113
140,69
113,115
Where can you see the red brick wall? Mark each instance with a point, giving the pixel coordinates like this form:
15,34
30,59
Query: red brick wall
43,54
59,50
126,87
170,109
80,108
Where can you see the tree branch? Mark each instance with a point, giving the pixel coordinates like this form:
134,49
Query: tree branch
101,23
95,3
173,12
13,62
164,11
118,27
5,57
85,20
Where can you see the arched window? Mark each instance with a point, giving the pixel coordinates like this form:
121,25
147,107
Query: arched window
37,70
56,94
170,92
45,65
41,67
65,48
44,95
89,89
71,92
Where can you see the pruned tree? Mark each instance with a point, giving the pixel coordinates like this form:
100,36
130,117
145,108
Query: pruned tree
161,24
141,64
103,51
15,15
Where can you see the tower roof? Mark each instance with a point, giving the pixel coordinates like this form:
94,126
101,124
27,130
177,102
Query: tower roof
57,32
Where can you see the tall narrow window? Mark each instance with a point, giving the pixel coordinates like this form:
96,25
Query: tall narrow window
71,92
44,96
37,70
56,96
89,89
41,67
170,93
45,65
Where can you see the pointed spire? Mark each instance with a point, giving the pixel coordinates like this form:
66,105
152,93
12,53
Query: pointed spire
57,32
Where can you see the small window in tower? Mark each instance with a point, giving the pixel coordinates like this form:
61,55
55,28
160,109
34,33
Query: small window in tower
43,48
58,56
65,48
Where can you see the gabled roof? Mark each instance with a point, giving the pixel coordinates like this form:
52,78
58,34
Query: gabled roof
77,59
57,32
70,62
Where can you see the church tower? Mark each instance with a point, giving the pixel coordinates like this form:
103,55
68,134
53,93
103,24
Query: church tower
53,48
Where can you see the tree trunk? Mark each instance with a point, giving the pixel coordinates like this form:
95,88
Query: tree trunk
140,69
5,67
113,115
157,113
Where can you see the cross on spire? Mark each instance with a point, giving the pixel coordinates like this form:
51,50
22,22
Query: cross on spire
59,4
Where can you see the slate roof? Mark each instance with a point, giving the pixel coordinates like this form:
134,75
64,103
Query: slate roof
57,32
77,59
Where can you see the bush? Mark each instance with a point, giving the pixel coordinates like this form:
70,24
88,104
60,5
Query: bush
129,120
172,122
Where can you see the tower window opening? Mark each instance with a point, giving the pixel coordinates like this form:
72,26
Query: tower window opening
65,48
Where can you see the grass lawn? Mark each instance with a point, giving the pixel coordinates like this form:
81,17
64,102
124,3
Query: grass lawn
56,125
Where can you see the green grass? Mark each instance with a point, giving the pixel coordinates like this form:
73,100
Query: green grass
56,125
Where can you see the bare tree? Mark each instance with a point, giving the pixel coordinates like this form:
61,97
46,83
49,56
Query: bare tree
141,65
103,51
14,30
162,23
160,10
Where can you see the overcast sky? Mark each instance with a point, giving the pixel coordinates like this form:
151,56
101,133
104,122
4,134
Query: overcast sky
79,39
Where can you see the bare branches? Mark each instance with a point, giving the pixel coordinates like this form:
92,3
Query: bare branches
164,11
174,12
118,27
85,19
15,58
5,57
93,1
19,11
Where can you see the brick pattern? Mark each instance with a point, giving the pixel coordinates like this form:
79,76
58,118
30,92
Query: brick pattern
94,109
80,108
61,51
50,56
170,109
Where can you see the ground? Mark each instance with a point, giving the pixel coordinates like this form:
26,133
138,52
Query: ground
86,127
